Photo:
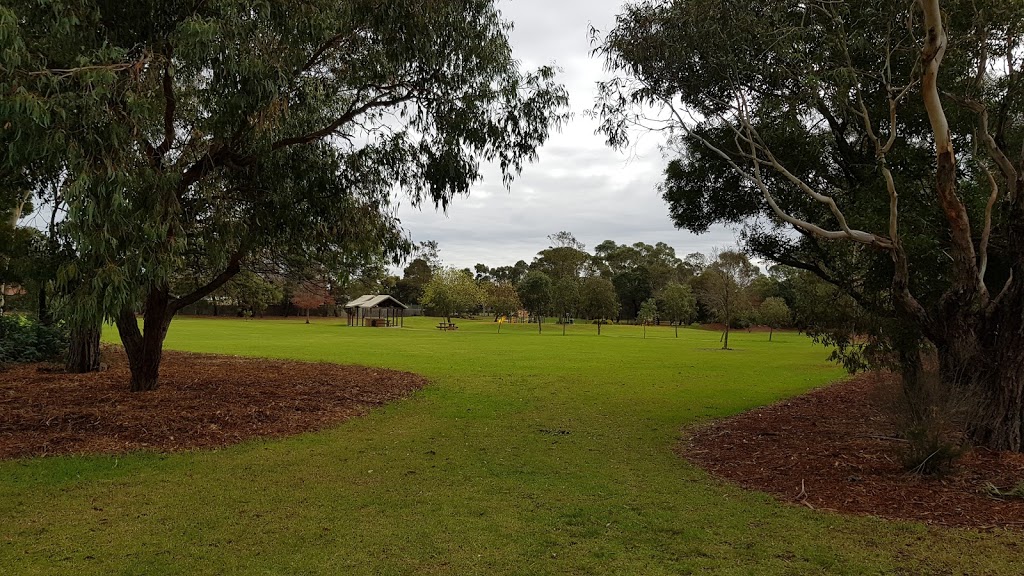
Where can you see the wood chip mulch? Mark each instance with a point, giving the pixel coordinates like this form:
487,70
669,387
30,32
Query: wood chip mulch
834,449
204,401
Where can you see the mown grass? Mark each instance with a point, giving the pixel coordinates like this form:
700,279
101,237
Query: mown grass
529,454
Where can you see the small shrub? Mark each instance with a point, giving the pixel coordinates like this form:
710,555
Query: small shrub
930,450
23,339
930,417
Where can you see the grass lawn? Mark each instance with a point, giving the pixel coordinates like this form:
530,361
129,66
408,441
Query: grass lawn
529,454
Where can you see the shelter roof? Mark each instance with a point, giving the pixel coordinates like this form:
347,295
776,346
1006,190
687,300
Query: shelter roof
375,301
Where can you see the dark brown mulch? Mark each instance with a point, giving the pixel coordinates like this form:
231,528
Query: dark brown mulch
203,401
833,449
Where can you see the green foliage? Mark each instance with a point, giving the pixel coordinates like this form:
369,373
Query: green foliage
774,312
502,299
451,291
565,296
535,292
724,285
251,293
23,339
677,303
409,290
648,311
196,137
598,300
808,85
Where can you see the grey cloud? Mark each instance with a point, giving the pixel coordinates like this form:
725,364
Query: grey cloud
578,184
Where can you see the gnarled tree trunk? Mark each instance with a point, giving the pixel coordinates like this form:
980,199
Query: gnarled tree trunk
84,350
144,347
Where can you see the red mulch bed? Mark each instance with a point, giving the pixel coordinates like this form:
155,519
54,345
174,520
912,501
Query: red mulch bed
833,449
204,401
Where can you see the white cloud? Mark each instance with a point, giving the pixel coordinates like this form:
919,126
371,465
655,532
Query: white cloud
579,184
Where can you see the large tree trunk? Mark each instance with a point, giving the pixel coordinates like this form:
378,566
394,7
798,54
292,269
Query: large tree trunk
994,375
84,350
145,347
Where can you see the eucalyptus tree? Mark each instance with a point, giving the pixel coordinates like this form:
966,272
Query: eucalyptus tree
876,144
724,287
775,313
219,130
565,298
564,258
598,300
678,304
648,313
535,293
502,299
451,291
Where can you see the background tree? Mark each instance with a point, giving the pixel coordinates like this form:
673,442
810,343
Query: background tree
535,292
223,130
512,274
253,294
724,286
773,312
831,119
565,299
503,300
452,291
648,312
598,301
677,304
310,295
564,258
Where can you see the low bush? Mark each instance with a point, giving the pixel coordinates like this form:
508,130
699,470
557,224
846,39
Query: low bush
22,339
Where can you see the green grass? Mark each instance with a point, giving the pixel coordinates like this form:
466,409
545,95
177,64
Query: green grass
526,455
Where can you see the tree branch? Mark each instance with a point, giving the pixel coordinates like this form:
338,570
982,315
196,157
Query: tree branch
351,114
966,268
169,109
233,268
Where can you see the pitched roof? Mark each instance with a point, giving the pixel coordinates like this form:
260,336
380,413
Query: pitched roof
375,301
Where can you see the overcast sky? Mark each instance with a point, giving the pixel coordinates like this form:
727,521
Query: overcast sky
578,184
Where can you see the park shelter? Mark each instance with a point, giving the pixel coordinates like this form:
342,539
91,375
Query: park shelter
375,310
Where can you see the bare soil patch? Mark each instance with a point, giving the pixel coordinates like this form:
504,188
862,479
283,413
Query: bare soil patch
204,401
835,449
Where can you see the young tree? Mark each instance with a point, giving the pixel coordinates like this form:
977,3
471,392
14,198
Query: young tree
452,291
565,299
774,312
808,110
598,300
678,304
310,295
724,288
648,312
502,299
535,292
227,129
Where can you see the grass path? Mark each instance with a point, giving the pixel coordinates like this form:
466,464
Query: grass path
527,455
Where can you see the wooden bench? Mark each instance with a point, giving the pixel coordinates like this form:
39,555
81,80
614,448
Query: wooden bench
447,326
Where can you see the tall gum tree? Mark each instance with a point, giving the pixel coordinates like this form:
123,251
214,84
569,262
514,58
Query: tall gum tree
219,132
875,144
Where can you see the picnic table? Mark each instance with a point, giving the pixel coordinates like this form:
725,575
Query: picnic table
447,326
